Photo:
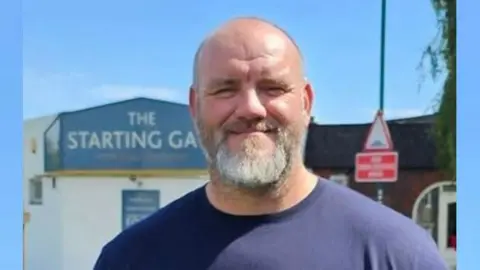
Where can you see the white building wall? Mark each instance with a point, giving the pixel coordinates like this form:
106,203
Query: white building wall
33,163
43,231
78,215
92,212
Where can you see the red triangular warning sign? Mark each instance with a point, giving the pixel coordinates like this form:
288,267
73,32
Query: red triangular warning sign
378,137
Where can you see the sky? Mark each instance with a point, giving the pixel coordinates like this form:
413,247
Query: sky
78,54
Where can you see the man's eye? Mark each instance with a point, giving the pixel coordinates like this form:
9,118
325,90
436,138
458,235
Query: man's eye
275,90
224,92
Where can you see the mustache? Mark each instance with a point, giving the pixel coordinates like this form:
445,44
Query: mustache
243,126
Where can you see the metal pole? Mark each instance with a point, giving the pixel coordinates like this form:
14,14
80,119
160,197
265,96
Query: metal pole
382,79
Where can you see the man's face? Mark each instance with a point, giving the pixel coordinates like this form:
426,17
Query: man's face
251,107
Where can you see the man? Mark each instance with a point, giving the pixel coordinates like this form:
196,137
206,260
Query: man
262,209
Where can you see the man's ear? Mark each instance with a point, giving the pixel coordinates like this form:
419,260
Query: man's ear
192,101
308,97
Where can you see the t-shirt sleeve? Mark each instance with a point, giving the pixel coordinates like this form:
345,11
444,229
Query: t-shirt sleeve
417,251
429,260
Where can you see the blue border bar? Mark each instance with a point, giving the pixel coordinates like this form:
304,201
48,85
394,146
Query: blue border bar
468,148
11,212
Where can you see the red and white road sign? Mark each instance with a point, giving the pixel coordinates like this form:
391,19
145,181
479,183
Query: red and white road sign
375,167
377,162
378,138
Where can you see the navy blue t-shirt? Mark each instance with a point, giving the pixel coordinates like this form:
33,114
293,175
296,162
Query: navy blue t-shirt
334,228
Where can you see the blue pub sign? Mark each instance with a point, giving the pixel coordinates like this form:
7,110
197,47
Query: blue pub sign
137,134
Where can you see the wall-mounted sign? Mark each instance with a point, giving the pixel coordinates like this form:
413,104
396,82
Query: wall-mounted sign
138,134
137,205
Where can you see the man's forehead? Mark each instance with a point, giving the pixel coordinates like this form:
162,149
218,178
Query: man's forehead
260,68
247,39
229,39
222,78
253,24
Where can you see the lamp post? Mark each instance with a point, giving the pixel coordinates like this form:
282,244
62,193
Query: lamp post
382,79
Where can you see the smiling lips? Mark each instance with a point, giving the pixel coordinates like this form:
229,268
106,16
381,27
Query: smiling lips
244,128
251,130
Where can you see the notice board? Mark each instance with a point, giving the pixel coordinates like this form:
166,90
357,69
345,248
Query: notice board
137,205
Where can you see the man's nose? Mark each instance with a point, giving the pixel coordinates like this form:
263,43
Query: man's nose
250,105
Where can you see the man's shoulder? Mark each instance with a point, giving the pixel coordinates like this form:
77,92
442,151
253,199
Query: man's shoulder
370,218
131,242
384,232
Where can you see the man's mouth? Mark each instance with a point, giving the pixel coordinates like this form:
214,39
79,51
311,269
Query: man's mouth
252,130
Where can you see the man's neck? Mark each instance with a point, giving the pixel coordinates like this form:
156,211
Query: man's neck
237,201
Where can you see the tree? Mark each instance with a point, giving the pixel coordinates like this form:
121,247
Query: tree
442,56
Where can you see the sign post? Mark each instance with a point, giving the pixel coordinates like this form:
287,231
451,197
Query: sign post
377,163
382,79
138,204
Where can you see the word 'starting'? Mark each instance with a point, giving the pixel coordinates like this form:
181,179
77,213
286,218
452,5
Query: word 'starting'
142,136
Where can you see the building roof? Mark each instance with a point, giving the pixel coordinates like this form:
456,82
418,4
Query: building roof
335,146
429,118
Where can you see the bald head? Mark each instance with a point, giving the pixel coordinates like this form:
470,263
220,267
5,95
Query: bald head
250,102
246,28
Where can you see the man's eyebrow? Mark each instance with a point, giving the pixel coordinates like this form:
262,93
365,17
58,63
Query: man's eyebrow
222,82
277,80
280,81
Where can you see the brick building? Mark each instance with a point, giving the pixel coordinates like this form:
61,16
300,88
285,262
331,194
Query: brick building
422,191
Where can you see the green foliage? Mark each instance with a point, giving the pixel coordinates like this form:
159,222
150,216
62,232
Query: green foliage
442,56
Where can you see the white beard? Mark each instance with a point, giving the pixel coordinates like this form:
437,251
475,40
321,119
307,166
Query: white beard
251,169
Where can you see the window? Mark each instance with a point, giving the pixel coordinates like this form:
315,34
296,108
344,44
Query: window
452,225
36,191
